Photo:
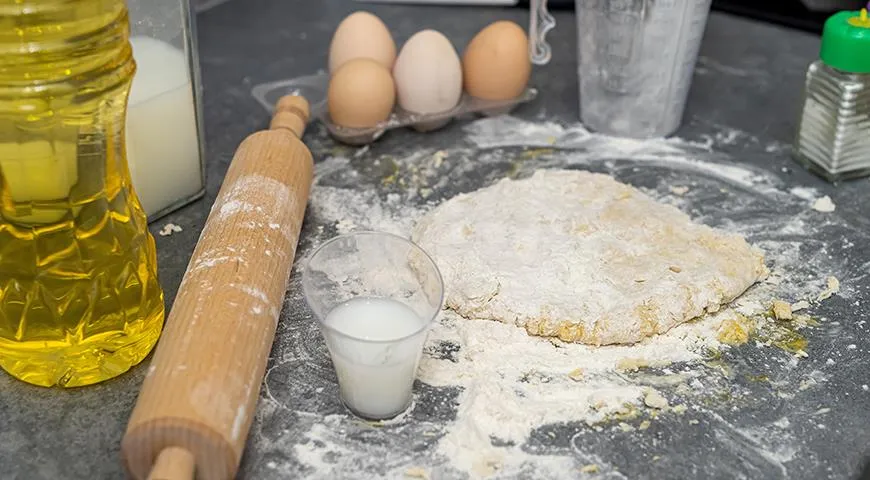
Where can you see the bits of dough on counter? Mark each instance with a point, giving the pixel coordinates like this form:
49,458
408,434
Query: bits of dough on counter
361,35
361,94
496,64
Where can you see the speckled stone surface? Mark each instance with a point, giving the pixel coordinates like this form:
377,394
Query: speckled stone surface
754,75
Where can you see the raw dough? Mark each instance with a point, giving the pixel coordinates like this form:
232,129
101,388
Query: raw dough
579,256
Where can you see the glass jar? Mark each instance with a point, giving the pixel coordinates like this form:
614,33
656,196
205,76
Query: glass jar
165,139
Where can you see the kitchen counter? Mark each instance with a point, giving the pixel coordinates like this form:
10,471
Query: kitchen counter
748,79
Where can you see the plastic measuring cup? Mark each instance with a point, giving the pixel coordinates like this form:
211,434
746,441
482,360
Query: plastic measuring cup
636,59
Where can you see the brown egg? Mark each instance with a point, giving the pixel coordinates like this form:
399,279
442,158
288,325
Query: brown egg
496,63
361,35
361,94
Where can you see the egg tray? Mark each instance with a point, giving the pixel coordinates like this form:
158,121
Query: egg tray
314,89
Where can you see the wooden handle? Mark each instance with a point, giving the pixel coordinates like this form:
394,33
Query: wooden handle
173,463
200,393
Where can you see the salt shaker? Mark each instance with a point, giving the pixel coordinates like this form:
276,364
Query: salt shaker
833,137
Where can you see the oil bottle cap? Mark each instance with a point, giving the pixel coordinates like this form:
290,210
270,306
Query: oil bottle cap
846,42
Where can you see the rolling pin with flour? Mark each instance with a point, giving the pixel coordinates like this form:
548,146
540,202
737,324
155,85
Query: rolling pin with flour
199,396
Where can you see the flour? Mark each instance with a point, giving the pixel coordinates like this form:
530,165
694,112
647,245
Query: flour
505,391
696,156
806,193
355,211
514,384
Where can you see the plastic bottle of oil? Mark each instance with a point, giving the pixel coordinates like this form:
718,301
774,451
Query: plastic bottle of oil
79,297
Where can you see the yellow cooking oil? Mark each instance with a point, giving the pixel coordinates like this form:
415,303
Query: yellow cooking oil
79,297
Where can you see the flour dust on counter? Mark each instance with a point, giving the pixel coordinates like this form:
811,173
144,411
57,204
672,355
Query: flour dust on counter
493,402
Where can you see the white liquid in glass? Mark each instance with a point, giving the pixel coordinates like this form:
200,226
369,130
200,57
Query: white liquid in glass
376,355
162,138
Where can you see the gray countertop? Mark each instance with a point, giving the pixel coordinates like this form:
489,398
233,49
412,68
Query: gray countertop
749,78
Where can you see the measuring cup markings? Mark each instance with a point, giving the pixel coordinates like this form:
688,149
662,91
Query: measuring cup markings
618,45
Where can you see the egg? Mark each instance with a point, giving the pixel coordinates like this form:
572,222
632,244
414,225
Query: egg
428,76
361,35
361,94
496,64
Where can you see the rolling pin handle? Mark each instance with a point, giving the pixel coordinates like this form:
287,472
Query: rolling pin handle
173,463
291,113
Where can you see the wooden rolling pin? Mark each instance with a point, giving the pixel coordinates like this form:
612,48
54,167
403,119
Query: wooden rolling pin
200,393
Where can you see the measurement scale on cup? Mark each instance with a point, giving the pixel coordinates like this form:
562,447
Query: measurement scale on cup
635,62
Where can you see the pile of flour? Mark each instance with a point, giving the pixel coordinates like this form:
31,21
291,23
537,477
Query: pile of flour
512,386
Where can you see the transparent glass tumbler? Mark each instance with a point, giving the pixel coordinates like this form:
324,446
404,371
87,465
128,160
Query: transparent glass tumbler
636,59
375,296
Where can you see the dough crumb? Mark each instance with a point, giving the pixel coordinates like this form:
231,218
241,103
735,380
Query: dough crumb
644,425
417,472
654,399
781,310
169,229
576,374
824,205
631,364
682,190
438,157
625,427
679,409
833,287
591,468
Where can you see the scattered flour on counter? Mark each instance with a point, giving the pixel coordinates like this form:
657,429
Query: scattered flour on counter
806,193
677,152
512,384
354,210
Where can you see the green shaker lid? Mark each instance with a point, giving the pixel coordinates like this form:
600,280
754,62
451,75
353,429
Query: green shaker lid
846,42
